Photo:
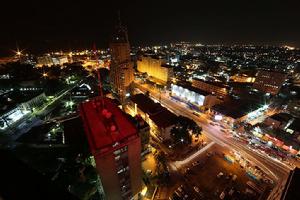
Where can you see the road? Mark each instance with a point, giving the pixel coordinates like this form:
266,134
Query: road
276,170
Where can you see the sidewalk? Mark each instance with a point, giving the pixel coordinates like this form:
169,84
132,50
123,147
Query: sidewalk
179,164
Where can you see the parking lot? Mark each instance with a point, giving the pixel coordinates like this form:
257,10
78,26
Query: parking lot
214,177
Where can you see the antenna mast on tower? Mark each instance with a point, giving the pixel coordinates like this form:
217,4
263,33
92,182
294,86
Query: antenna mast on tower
99,76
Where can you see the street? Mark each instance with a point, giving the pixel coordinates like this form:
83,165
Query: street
276,170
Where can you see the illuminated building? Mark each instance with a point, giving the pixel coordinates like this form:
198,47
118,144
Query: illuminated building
269,81
26,102
233,111
160,119
215,88
48,60
193,95
116,147
155,68
121,69
44,61
242,78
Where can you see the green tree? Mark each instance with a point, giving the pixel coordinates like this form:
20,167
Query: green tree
183,128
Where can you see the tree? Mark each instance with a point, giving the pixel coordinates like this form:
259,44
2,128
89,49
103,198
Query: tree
181,131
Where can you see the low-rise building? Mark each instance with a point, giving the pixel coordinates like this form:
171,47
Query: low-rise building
269,81
242,78
160,119
285,122
235,111
216,88
48,60
193,95
16,105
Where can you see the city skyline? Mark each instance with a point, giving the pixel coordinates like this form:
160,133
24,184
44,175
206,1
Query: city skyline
41,27
150,101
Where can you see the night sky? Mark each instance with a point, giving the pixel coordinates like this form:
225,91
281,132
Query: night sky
43,25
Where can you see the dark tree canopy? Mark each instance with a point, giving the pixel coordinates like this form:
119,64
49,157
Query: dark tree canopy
183,128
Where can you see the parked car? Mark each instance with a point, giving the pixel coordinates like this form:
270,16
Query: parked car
196,189
220,174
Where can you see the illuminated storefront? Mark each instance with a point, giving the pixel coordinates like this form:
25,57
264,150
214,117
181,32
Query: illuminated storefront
187,95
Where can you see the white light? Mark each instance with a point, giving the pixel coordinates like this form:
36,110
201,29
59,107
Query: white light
218,117
270,143
265,107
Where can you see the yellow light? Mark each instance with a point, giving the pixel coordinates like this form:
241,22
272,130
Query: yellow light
144,191
45,74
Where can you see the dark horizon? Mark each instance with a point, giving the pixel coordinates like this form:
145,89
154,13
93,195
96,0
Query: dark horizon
44,26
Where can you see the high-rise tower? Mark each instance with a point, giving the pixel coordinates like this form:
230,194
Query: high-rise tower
121,70
116,147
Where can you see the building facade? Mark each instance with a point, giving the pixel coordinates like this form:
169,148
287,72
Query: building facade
121,69
193,95
269,81
48,60
156,68
116,147
214,88
160,119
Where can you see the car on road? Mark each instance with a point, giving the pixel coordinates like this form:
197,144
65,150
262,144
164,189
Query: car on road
196,114
180,188
196,189
234,177
231,191
220,174
222,195
223,130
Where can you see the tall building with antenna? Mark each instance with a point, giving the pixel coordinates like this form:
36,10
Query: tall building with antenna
121,70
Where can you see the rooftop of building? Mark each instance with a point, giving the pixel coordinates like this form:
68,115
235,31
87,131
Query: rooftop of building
215,83
153,56
191,88
286,117
290,191
105,126
166,65
161,116
11,99
138,121
236,108
282,117
273,72
119,35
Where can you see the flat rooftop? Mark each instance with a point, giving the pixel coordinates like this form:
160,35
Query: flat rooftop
215,83
192,88
105,126
291,190
161,116
236,108
11,99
